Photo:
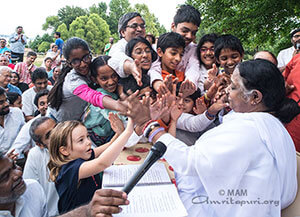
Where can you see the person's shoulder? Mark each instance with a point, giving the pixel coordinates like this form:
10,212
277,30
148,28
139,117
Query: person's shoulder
28,92
15,111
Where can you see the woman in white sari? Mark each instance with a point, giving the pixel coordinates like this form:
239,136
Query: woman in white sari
247,165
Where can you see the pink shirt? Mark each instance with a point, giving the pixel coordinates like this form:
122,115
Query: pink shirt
22,70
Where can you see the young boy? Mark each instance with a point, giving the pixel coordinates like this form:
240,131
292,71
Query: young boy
186,23
48,66
24,69
229,52
170,49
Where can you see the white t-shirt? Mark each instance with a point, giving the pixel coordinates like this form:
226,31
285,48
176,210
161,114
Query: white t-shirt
285,56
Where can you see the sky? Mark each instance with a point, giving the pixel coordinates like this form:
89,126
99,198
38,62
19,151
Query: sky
31,14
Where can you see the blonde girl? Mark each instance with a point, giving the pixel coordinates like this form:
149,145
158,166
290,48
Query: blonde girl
74,166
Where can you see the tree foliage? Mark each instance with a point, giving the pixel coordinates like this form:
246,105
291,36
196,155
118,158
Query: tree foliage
152,24
258,23
67,14
39,40
93,29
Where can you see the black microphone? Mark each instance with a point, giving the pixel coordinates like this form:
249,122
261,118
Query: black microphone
156,152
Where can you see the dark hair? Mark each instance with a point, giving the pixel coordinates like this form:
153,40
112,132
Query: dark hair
38,95
189,14
55,95
96,63
19,27
31,53
205,38
48,58
194,96
130,45
170,39
12,97
16,74
35,124
129,83
294,32
151,36
58,34
264,76
228,42
39,73
123,21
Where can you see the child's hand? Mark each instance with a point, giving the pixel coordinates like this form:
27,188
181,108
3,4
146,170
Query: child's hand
187,88
115,122
218,105
175,112
200,106
158,108
11,155
212,73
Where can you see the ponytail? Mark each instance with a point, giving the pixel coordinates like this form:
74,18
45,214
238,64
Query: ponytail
287,110
55,94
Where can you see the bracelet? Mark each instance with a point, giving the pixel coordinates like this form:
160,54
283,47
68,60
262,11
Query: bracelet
146,125
150,128
155,133
209,115
206,97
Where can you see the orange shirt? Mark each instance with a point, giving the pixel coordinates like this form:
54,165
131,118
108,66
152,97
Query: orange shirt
179,75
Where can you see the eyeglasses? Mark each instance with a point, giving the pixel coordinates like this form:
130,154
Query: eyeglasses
141,52
136,25
86,58
205,49
296,36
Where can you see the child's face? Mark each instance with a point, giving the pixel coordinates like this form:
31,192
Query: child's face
48,63
186,30
229,59
107,78
80,60
31,59
207,54
170,58
81,144
142,53
187,105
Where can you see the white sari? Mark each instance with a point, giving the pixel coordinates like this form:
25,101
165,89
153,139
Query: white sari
244,167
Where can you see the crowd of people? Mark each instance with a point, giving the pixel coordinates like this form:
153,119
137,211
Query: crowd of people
227,123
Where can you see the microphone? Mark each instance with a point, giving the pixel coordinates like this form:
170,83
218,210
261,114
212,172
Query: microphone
156,152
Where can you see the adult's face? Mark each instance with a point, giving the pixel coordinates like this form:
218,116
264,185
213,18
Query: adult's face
4,105
14,79
12,185
237,100
2,43
19,30
186,30
41,84
56,72
135,27
142,53
5,77
44,130
3,61
296,38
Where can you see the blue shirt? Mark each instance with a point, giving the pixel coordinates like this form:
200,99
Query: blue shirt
13,88
60,43
73,193
2,50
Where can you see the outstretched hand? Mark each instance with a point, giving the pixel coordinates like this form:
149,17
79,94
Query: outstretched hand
187,88
115,122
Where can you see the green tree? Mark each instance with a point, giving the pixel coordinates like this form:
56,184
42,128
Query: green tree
117,8
93,29
258,23
64,33
44,46
52,22
152,24
99,9
34,45
68,14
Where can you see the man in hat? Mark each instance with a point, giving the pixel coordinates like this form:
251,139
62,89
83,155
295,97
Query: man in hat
130,25
286,55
